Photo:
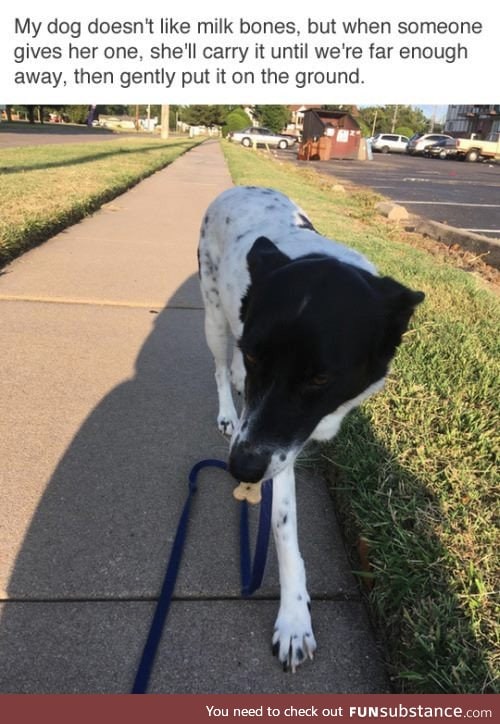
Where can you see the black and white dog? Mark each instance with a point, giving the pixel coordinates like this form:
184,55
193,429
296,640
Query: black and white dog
316,329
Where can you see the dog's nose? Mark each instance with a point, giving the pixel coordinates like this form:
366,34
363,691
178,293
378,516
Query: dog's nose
248,464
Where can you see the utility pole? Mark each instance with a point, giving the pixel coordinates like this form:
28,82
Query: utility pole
433,119
394,118
374,121
164,121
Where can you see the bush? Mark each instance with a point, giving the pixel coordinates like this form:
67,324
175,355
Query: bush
236,121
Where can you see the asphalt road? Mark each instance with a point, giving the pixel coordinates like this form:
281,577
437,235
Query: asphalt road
26,135
464,195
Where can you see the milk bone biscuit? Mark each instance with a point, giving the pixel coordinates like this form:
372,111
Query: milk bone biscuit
251,492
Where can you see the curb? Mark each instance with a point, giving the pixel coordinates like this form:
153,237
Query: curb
488,249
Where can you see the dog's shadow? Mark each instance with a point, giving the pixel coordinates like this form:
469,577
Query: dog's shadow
104,526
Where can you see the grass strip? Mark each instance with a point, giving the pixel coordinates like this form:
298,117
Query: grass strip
45,188
414,472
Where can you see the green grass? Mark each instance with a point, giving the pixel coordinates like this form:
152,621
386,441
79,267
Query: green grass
414,472
45,188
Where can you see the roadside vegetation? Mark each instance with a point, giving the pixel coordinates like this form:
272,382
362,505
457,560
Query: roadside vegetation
414,472
45,188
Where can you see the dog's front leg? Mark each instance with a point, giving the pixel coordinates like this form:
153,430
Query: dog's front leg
238,372
293,638
216,331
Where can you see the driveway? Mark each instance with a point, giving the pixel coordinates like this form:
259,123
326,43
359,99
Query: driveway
464,195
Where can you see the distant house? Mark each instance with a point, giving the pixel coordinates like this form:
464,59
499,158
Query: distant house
296,124
465,121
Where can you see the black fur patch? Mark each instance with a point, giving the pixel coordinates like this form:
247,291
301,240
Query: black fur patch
308,319
305,223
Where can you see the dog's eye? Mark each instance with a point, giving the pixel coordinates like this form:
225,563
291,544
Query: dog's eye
250,359
319,380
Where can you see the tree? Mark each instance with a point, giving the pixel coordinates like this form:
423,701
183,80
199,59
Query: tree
404,131
202,115
353,110
412,118
76,114
273,117
385,119
31,113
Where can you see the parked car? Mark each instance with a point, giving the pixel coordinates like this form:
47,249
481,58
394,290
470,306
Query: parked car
389,143
439,150
262,136
419,141
474,149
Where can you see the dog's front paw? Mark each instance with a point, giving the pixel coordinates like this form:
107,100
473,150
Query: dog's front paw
226,424
293,638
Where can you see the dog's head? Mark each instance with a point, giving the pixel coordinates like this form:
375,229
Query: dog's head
317,334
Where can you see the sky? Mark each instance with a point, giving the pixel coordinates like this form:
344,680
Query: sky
440,111
428,110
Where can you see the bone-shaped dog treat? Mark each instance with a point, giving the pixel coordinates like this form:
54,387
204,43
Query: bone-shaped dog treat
248,491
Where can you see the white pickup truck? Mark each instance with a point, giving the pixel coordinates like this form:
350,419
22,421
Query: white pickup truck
472,149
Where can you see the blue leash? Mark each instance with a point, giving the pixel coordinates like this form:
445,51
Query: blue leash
251,575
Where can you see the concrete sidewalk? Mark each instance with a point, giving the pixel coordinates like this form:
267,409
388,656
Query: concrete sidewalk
108,398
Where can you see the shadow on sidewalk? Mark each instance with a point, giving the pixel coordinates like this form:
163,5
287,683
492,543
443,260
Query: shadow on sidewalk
103,528
109,497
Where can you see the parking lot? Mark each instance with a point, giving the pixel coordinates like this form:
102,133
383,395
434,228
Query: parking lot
464,195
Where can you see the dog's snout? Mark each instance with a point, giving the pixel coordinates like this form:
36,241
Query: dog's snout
247,463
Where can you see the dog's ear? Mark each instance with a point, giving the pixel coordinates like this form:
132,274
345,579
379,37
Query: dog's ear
263,258
399,305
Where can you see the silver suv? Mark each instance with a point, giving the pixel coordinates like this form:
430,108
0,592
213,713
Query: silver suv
389,143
